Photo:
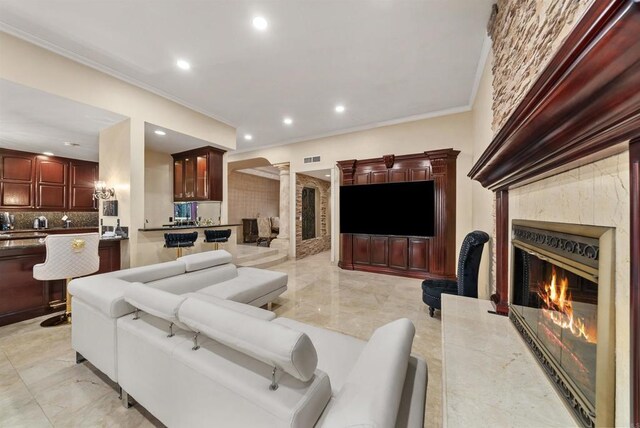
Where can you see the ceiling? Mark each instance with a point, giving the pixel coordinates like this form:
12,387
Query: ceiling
320,174
171,142
384,60
36,121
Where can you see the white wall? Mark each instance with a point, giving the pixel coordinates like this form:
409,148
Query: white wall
482,199
158,192
35,67
452,131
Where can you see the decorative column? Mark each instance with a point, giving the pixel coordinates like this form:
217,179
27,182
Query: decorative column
282,241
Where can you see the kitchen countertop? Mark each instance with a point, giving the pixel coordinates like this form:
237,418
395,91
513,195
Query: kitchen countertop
40,233
15,244
153,229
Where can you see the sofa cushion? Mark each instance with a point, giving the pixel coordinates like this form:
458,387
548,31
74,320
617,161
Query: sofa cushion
104,293
372,392
243,308
249,285
193,281
155,302
149,273
208,259
337,352
273,344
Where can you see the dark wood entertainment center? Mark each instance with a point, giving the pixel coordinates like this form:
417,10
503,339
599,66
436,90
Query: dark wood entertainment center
411,256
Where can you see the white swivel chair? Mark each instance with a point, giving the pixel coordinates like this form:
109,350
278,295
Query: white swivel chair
68,256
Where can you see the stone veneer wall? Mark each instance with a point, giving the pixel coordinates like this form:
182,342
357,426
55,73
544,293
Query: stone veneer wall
525,34
250,195
322,242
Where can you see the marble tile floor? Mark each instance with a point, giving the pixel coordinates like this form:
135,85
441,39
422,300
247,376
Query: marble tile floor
42,386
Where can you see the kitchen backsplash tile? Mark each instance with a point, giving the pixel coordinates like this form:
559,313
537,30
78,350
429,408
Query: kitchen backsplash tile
24,220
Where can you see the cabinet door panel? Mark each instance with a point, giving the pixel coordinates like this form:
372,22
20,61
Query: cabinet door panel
363,178
178,179
52,172
84,175
202,177
398,253
361,250
379,250
82,198
17,168
419,174
397,176
379,177
418,253
16,195
50,196
190,177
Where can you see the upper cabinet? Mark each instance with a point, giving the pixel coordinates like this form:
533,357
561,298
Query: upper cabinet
197,175
52,183
82,178
16,180
29,181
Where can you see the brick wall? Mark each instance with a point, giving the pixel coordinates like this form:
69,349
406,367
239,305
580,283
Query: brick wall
323,240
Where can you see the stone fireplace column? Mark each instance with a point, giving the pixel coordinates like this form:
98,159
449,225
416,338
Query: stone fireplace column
282,241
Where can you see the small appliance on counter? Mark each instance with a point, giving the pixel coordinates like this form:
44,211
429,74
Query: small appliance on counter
41,223
7,221
66,223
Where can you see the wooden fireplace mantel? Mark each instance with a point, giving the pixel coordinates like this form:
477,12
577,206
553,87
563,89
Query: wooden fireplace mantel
582,107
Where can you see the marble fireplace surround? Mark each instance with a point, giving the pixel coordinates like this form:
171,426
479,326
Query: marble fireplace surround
599,209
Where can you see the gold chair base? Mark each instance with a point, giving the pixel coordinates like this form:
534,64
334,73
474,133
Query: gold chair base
60,319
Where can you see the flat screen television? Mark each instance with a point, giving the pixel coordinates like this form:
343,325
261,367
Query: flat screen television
404,209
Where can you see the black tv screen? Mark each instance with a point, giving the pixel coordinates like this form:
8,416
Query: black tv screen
405,209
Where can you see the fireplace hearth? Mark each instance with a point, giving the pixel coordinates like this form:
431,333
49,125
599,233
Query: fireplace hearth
562,305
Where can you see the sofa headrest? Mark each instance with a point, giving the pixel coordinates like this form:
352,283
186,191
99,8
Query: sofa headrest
149,273
276,345
158,303
371,393
205,260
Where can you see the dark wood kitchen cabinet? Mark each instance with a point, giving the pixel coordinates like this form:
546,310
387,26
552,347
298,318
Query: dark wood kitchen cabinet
52,183
82,177
30,182
197,175
16,180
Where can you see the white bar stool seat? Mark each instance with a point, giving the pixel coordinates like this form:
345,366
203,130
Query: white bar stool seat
68,256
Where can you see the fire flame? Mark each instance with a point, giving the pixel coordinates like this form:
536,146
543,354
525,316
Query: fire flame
559,308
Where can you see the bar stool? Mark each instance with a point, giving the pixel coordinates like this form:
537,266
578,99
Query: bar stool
217,236
180,241
68,256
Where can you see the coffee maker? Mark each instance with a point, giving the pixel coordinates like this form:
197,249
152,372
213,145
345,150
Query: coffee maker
6,221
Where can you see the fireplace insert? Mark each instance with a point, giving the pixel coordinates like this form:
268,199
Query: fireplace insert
561,303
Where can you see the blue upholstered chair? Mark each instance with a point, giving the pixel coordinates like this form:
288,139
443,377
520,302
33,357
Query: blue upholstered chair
468,266
180,241
216,236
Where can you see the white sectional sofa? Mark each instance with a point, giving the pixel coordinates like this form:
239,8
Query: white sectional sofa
98,300
196,359
194,363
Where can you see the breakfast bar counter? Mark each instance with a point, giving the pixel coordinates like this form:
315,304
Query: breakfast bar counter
151,248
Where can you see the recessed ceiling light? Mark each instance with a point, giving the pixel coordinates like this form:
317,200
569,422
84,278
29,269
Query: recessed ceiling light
287,121
260,23
160,132
183,64
339,108
69,143
248,137
47,153
327,175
